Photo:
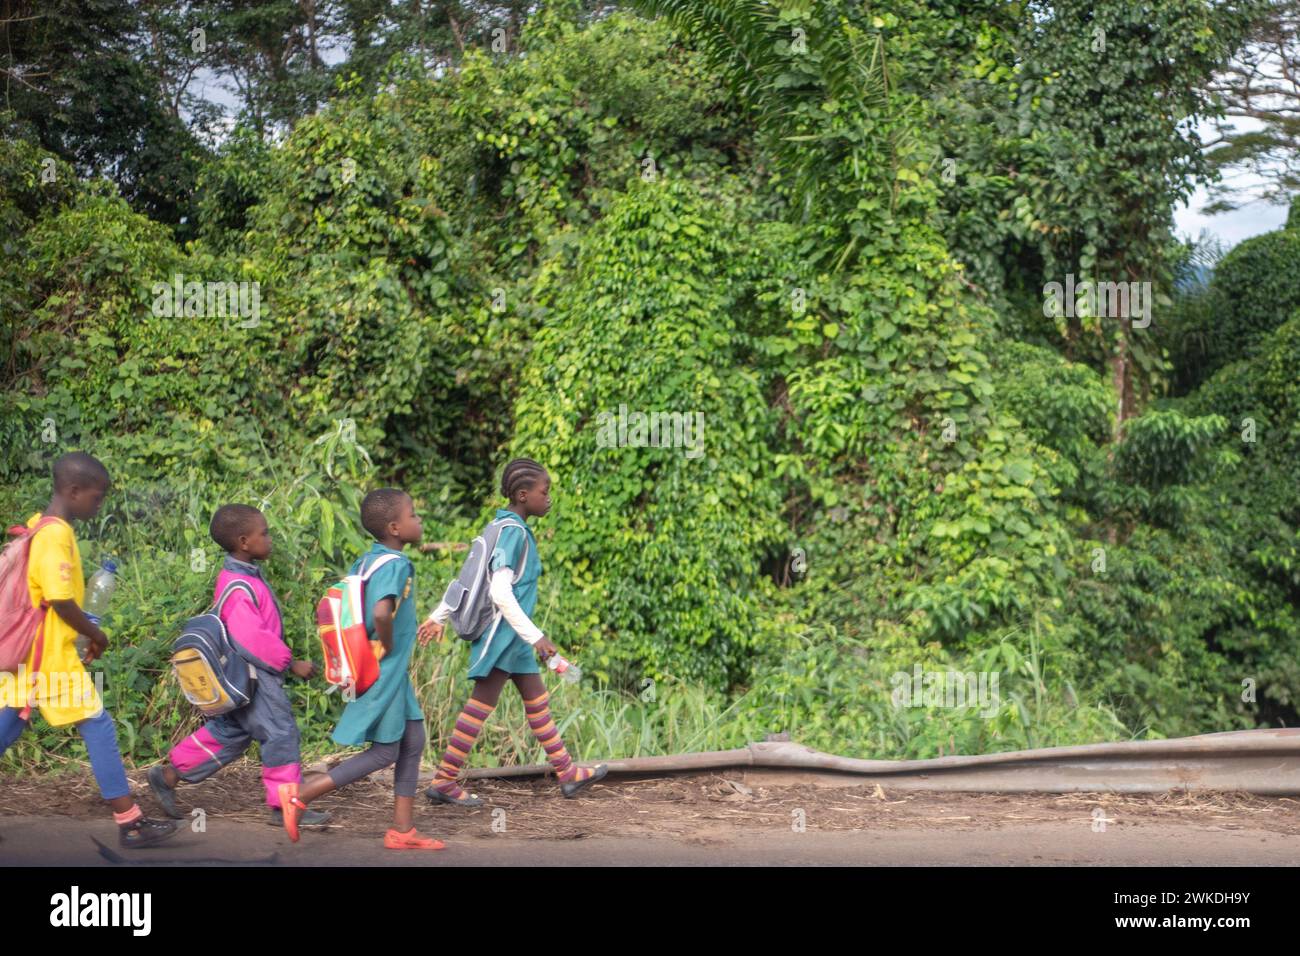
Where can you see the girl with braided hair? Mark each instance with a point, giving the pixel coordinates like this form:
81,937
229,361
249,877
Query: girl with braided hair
508,650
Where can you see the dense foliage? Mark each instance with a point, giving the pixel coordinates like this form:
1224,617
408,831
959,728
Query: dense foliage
818,232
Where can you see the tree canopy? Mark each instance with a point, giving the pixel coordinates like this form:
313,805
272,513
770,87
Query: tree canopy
813,240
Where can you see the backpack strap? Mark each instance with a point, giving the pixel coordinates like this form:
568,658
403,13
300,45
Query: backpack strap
500,615
231,588
507,523
39,640
29,701
368,569
379,562
18,530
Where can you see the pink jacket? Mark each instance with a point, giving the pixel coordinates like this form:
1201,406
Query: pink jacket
256,628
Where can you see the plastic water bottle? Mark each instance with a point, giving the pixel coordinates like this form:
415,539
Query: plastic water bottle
569,672
98,593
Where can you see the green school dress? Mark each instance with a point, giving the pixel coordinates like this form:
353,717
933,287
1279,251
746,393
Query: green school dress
380,714
501,647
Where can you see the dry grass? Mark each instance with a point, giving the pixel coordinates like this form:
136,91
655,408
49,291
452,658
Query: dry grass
693,807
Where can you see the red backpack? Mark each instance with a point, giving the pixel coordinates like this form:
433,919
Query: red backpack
351,657
21,624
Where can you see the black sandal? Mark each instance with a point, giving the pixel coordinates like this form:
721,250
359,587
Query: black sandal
571,789
437,796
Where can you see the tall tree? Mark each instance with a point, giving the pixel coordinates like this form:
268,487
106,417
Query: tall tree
1261,86
75,81
1108,96
270,54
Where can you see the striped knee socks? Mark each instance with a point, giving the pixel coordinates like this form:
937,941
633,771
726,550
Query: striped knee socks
548,735
468,725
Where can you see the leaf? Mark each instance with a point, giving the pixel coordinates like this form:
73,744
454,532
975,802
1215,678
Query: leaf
327,527
1020,472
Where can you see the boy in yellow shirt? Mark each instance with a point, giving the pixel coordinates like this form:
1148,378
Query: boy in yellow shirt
54,679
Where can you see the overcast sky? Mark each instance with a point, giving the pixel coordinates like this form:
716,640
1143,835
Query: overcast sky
1230,227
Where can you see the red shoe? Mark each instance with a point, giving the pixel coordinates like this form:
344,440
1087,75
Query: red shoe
291,807
410,840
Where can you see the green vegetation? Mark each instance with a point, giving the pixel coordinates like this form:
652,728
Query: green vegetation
743,212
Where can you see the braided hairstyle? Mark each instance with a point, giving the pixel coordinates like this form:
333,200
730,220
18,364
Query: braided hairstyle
520,475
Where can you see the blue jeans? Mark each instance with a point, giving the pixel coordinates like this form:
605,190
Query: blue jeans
99,733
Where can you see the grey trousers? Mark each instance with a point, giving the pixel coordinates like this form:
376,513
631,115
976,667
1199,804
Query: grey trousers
405,753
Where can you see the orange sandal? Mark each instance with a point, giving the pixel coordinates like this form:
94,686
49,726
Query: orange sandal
410,840
291,807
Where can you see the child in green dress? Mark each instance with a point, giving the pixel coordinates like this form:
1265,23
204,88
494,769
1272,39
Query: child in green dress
387,715
508,649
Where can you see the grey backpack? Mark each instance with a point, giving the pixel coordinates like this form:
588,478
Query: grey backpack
471,605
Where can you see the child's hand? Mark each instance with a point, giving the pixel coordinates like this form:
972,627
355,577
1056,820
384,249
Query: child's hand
430,630
95,649
303,669
545,648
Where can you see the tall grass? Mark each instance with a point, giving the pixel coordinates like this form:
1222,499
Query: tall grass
158,532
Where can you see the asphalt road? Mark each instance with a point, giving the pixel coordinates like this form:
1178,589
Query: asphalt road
62,841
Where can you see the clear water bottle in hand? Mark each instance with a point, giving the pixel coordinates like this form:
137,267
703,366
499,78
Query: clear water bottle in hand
98,593
569,672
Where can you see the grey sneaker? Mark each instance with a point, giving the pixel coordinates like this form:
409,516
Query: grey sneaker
308,817
165,795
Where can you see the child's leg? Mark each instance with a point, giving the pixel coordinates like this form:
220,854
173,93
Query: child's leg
403,835
407,774
537,707
134,828
269,720
482,701
376,757
11,727
217,743
100,735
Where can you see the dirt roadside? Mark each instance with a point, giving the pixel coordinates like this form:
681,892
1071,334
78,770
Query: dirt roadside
717,818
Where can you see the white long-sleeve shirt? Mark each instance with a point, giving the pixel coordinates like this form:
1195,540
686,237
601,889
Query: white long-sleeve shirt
502,592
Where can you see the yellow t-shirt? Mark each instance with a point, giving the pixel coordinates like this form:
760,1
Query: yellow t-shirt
64,689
